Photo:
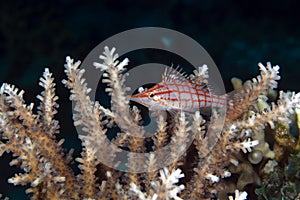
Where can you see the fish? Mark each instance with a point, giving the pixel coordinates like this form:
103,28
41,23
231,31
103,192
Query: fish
178,92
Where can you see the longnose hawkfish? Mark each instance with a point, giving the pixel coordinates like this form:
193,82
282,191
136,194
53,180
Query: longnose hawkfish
178,91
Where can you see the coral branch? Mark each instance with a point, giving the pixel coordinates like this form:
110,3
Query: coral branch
221,148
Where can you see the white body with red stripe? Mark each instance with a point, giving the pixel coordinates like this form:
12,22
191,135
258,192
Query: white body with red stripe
177,92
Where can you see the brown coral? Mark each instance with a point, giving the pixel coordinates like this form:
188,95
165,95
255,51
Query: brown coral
31,137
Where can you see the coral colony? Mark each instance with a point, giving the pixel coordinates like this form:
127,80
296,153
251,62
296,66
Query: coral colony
224,169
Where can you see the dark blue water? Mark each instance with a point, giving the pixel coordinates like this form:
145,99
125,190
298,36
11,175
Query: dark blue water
237,35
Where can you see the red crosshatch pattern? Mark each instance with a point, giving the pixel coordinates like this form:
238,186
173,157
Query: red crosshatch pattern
190,99
180,95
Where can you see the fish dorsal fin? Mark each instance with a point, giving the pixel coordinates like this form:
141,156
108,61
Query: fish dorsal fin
176,75
172,75
203,87
199,78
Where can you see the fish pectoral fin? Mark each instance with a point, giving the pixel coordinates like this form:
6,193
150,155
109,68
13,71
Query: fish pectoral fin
172,112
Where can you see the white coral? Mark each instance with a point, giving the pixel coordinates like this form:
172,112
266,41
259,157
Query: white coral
165,189
238,195
248,144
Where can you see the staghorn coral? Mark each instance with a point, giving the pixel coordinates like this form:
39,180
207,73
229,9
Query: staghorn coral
216,171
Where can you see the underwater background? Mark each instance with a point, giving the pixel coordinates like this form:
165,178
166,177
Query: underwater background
237,35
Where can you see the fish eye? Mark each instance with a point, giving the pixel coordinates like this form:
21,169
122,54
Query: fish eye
152,95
